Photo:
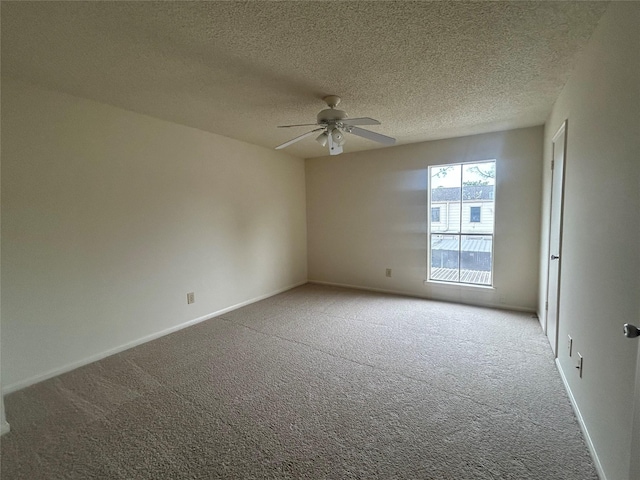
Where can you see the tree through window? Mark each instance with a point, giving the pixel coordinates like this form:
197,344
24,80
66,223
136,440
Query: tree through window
461,240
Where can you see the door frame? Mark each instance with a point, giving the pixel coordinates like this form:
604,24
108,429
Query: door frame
562,131
635,432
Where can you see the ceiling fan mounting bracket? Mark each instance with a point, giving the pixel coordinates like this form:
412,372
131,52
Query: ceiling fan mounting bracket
332,100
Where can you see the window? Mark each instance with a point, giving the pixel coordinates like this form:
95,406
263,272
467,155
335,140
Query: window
474,214
435,214
461,239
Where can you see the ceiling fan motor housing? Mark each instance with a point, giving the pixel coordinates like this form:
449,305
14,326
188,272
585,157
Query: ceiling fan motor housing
331,115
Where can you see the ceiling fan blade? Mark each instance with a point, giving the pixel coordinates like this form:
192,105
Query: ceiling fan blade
376,137
299,125
361,121
298,138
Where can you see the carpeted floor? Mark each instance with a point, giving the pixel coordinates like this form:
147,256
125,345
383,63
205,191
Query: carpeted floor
317,382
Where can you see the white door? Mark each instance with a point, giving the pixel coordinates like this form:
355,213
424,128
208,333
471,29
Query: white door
555,236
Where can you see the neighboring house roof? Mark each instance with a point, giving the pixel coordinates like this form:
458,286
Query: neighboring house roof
471,192
474,244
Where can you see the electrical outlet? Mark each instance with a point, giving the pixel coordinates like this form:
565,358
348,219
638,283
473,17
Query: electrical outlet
388,272
191,298
570,344
579,364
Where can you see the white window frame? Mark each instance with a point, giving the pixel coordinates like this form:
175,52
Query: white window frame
460,233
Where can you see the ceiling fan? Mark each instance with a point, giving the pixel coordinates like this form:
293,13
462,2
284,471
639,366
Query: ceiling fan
334,124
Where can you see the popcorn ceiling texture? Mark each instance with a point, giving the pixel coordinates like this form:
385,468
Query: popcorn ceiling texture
427,70
316,383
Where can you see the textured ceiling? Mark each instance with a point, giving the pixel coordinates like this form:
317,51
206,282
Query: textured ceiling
426,70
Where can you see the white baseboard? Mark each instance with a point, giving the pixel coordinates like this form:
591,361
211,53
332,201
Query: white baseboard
414,295
541,319
583,427
4,428
99,356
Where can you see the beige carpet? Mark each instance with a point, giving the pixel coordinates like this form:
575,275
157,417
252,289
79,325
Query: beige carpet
317,382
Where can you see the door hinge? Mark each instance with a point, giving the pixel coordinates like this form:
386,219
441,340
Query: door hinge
553,162
546,305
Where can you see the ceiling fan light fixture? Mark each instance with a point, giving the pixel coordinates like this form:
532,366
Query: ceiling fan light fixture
337,136
323,138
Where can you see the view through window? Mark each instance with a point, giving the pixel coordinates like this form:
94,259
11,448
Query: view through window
461,233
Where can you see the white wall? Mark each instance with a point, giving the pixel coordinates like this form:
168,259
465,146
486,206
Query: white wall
600,279
110,217
367,211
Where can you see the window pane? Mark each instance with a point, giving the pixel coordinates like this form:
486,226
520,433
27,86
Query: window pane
475,259
446,195
479,174
445,258
478,191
